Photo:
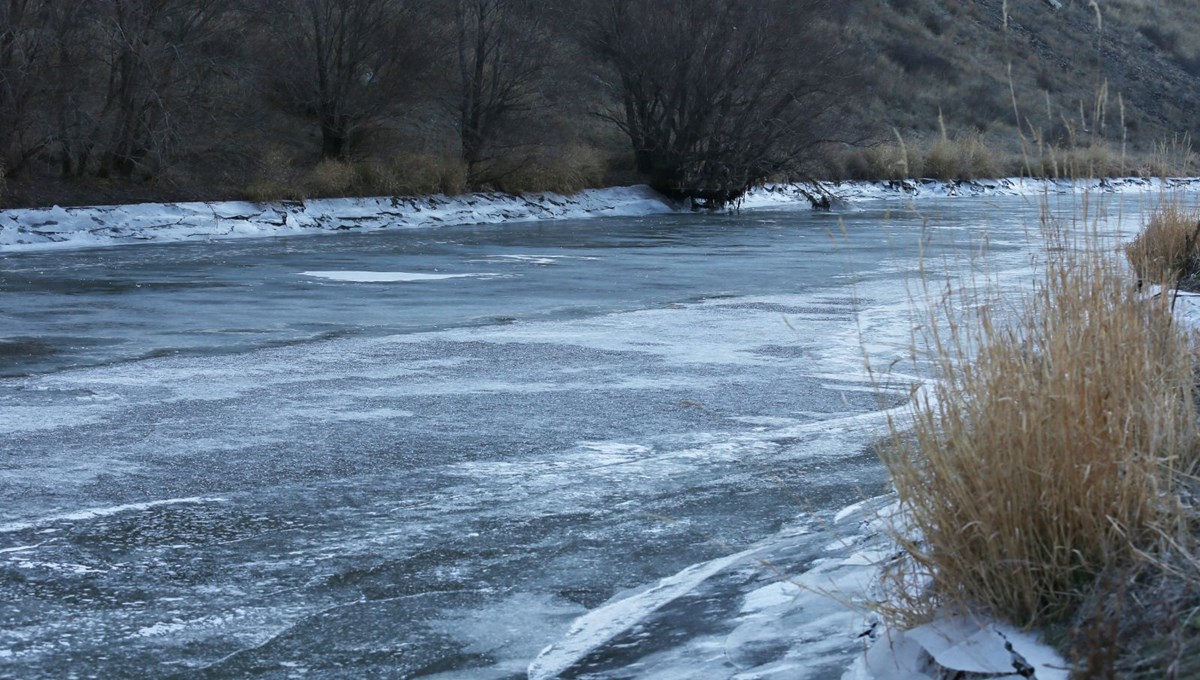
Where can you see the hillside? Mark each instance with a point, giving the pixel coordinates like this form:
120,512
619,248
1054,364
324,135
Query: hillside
1075,77
211,101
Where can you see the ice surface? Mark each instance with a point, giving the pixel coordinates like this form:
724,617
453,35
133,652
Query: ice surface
389,277
93,513
599,626
797,617
956,644
513,477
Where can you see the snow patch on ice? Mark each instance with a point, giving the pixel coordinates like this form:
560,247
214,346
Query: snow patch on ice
388,277
96,513
600,626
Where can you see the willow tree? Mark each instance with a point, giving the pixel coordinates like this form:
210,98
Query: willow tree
718,95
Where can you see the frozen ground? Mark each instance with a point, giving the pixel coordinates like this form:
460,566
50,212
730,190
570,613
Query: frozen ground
603,448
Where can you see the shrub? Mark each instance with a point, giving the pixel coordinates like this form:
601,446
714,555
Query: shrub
1167,251
420,174
942,161
332,178
562,171
1051,449
891,161
274,179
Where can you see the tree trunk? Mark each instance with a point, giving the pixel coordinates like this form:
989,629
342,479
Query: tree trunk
333,141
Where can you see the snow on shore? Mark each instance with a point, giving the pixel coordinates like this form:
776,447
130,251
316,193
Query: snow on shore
47,228
851,192
85,227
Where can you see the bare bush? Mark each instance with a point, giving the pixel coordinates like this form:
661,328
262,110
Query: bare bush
717,95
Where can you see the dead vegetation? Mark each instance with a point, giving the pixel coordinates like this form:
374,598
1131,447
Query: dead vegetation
1048,478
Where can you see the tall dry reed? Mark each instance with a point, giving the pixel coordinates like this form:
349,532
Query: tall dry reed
1050,448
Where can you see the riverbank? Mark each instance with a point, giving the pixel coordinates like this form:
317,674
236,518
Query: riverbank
86,227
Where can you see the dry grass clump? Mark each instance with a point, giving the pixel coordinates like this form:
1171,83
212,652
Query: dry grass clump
885,161
1052,449
566,170
275,179
1167,251
1096,160
403,175
332,178
1172,159
425,173
278,178
961,158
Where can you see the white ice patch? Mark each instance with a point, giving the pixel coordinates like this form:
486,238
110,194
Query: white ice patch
95,513
600,626
389,277
953,645
540,260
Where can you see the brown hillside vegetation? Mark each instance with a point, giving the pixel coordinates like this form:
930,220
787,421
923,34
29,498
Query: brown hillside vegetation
1075,77
119,100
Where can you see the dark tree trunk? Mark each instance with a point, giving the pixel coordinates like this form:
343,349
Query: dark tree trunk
333,142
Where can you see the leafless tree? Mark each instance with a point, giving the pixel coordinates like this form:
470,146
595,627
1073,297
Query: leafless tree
344,61
24,48
152,61
501,50
125,75
717,95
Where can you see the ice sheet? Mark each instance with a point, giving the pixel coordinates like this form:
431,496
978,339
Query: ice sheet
388,277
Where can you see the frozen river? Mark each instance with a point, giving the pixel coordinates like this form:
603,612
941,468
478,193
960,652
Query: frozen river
401,454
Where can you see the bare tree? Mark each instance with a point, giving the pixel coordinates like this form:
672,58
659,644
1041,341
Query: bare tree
151,62
717,95
501,50
23,70
344,61
126,74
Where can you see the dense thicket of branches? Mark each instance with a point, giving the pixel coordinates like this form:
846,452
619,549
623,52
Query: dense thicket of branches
712,94
717,95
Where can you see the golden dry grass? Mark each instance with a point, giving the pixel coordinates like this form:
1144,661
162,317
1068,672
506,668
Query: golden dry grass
1051,448
1167,251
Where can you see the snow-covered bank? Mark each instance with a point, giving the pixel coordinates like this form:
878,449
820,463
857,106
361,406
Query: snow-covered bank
85,227
782,194
45,228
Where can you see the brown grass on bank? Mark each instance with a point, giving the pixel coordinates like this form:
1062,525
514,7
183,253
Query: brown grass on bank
565,170
1167,251
1052,447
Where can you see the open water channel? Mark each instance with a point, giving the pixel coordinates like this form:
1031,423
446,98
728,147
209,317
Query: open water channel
292,457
